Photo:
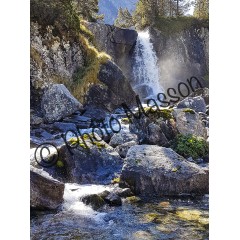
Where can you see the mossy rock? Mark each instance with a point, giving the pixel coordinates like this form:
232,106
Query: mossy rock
133,199
94,200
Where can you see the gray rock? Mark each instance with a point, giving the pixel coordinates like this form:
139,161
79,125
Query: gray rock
57,103
121,138
98,164
153,170
196,103
123,192
123,148
189,123
46,192
156,131
202,92
35,120
113,200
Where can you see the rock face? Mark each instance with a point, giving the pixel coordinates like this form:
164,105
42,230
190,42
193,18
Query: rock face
153,170
116,89
185,52
51,58
189,123
46,192
196,103
57,103
117,42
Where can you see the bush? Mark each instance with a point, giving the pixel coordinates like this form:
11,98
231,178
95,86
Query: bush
190,146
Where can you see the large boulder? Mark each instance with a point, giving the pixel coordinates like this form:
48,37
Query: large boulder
114,91
190,122
46,192
97,163
196,103
152,170
57,103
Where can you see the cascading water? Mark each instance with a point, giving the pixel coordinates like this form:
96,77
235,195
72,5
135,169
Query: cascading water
145,70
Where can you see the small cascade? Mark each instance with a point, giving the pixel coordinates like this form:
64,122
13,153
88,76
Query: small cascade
145,70
73,195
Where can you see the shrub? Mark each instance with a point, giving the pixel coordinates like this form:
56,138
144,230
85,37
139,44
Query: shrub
190,146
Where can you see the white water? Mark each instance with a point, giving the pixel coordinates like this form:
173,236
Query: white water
146,69
73,193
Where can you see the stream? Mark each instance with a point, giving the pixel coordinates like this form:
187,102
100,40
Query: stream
156,219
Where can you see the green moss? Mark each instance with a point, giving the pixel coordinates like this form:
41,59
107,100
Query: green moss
116,180
88,75
137,161
60,164
133,199
165,114
190,146
125,120
152,217
189,110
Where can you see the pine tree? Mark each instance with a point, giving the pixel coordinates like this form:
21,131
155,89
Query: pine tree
87,10
124,19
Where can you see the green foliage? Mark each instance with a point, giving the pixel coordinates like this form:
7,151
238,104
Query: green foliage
190,146
57,13
87,9
189,110
124,19
147,12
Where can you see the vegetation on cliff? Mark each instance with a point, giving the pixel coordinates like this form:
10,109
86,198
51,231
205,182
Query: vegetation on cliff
65,18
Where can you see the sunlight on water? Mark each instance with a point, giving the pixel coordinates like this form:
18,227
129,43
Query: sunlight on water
146,70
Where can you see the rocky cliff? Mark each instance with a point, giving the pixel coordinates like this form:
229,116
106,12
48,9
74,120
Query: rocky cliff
182,55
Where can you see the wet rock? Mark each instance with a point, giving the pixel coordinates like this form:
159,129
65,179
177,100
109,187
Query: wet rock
123,148
123,192
121,138
189,122
113,200
196,103
143,91
94,200
57,103
46,192
153,170
104,194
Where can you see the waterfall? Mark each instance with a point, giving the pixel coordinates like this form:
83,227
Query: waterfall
145,69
